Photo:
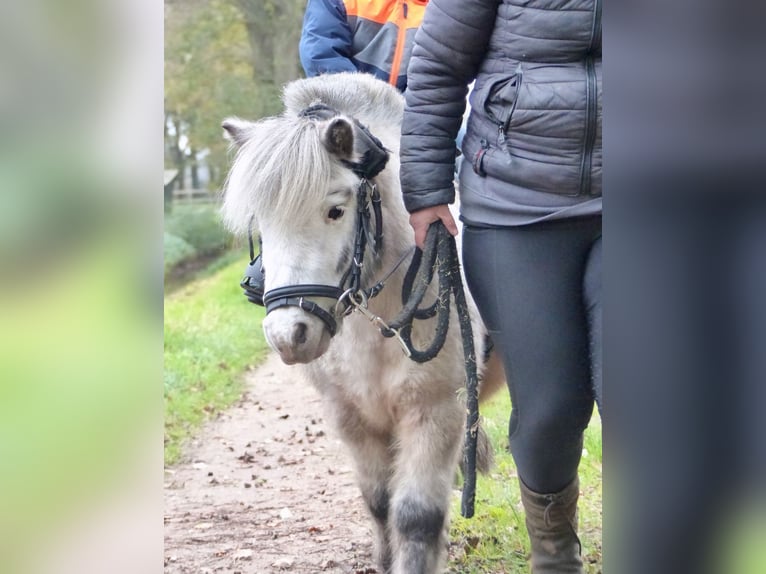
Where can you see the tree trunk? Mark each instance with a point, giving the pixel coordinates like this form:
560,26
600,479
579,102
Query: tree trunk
273,31
173,148
213,172
181,167
194,169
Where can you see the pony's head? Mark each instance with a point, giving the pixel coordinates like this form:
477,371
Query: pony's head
296,181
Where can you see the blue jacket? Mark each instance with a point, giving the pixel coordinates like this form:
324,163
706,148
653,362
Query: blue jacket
373,36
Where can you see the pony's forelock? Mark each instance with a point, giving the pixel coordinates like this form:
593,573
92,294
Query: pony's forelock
282,170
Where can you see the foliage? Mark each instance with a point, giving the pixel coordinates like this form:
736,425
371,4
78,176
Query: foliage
207,351
208,76
199,226
175,250
495,539
224,58
274,56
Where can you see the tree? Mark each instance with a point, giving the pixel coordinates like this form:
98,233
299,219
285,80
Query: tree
224,58
273,32
208,76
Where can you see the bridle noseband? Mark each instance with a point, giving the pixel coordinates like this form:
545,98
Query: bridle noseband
373,159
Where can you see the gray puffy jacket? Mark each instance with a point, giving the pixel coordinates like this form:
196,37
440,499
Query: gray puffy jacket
532,149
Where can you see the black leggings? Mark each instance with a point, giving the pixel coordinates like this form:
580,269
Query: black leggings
529,283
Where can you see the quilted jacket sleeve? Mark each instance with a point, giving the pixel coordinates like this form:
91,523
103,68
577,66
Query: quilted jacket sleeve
325,45
449,46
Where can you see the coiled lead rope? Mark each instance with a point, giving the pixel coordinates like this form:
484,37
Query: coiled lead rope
440,254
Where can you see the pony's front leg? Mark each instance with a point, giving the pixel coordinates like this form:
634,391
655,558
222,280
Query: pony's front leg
373,462
429,440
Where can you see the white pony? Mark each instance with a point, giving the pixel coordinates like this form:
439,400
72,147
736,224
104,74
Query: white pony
297,179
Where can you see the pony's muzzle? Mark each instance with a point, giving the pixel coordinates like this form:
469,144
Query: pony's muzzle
297,336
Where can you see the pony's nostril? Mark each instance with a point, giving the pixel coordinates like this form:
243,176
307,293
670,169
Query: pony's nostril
299,337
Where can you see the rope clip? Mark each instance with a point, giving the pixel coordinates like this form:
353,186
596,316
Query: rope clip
359,301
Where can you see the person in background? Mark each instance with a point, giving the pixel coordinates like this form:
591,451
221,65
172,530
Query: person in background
373,36
530,201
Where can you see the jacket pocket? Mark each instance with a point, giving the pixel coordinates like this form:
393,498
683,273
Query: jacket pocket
499,101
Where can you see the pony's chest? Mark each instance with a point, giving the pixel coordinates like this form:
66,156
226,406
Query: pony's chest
366,374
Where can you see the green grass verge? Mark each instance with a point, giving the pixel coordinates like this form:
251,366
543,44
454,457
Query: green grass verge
212,336
494,541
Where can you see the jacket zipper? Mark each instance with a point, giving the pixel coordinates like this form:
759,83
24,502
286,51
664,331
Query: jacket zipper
503,139
591,88
401,35
595,36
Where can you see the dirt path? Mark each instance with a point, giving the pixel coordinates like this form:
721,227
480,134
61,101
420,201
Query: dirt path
264,489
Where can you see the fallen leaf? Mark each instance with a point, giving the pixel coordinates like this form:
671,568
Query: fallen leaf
246,457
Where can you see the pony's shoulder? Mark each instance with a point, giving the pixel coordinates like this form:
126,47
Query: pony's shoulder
357,94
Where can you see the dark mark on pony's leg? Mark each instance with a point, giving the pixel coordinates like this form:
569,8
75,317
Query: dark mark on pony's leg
378,503
417,522
420,533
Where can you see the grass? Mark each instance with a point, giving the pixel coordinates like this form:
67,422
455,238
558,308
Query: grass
494,541
201,267
212,336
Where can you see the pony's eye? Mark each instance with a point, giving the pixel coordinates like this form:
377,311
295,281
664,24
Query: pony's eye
335,213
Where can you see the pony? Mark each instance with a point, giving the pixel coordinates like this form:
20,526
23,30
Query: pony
303,180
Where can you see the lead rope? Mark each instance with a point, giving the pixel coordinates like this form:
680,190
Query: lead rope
441,253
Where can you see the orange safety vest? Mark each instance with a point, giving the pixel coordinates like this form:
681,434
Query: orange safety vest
383,32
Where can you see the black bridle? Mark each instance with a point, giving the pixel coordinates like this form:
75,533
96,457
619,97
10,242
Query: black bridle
368,205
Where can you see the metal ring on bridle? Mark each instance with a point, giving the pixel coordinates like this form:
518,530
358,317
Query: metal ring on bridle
348,309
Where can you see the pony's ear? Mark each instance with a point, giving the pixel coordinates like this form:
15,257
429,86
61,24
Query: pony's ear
338,138
235,130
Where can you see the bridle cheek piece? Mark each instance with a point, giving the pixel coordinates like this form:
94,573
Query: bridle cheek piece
374,158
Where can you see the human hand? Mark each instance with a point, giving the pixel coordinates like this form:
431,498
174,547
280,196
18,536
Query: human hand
422,219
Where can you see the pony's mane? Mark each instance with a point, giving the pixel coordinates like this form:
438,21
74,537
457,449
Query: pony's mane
283,167
357,94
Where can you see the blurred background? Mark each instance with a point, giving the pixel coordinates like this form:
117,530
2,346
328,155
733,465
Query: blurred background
80,286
